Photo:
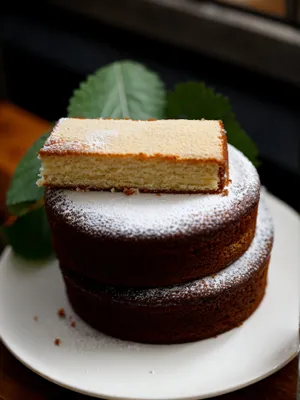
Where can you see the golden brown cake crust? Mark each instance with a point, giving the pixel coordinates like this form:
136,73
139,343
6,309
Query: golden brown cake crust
224,174
223,164
82,188
168,156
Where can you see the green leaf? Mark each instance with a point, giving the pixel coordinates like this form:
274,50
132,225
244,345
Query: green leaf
29,235
240,140
23,190
123,89
194,100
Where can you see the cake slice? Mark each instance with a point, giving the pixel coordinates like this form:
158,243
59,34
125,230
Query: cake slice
177,156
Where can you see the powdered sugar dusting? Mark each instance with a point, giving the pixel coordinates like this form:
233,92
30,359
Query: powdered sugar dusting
98,140
83,339
89,141
164,137
150,216
236,274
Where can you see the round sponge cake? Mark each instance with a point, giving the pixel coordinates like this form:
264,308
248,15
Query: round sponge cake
149,240
191,311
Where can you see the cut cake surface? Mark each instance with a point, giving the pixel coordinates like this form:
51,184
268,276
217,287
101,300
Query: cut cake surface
177,156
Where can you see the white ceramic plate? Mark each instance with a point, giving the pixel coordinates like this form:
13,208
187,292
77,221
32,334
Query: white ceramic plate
92,363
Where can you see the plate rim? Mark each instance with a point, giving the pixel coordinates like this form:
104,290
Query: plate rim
99,396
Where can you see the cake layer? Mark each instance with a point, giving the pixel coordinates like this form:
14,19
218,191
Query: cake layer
146,240
153,156
196,310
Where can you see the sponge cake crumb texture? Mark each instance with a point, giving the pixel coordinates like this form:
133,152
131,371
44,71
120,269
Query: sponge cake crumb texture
156,156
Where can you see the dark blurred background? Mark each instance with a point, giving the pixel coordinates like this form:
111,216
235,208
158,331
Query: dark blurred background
248,50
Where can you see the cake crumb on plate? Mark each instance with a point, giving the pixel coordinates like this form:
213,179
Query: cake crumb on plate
61,313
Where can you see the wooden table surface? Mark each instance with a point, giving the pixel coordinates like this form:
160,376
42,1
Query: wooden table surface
18,130
274,7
